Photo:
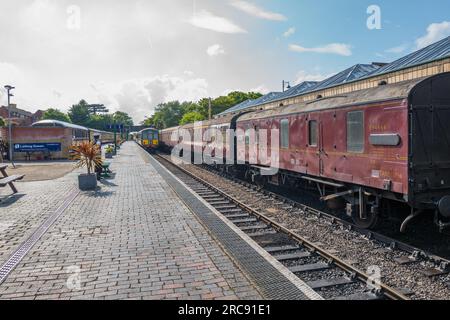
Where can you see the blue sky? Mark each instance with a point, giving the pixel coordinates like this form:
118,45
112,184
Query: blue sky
318,23
132,55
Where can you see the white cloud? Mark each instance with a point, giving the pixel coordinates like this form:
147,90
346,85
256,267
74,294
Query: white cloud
333,48
435,32
398,49
207,20
256,11
215,50
289,32
139,97
261,89
10,74
305,76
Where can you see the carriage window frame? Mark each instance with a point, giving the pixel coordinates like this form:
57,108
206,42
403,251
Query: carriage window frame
313,133
355,132
284,134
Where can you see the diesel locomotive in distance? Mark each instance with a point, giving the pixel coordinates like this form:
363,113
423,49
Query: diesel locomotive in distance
148,139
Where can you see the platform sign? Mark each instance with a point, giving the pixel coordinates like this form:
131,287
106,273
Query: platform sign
116,127
35,147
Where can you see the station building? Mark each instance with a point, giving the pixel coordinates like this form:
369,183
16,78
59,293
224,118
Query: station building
20,117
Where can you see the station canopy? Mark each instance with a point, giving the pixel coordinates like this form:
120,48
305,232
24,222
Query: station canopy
434,52
57,123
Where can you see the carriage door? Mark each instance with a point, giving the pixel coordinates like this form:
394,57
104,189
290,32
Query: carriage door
321,149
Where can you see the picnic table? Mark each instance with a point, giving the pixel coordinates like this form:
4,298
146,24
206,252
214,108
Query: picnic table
8,180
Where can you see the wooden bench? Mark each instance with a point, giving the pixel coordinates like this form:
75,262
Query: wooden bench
9,180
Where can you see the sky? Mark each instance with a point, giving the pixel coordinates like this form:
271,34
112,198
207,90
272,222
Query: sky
132,55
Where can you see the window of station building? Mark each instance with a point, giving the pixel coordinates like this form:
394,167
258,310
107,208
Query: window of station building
313,133
284,134
355,131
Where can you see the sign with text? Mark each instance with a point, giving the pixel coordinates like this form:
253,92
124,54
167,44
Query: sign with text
34,147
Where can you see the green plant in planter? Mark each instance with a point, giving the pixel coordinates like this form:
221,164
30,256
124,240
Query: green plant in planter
109,149
87,155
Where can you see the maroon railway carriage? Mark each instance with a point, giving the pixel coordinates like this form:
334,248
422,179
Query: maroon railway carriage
172,137
369,147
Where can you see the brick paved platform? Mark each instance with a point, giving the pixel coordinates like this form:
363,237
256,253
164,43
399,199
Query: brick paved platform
133,239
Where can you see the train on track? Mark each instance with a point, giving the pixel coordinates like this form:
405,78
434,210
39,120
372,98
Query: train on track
364,151
148,139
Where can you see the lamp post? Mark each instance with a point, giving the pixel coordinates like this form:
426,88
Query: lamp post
286,85
9,94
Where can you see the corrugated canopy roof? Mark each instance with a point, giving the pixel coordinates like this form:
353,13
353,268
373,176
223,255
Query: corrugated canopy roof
238,107
251,103
356,72
436,51
297,90
264,99
57,123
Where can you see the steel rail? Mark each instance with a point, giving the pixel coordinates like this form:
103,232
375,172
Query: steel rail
387,291
392,243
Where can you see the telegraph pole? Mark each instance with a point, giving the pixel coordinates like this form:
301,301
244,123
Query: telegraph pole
210,109
9,94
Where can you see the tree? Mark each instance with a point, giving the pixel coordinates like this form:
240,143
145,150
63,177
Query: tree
97,108
79,113
2,122
191,117
55,114
174,113
100,122
123,118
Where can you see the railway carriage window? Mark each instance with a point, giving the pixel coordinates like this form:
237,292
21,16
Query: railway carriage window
355,131
247,137
284,124
313,133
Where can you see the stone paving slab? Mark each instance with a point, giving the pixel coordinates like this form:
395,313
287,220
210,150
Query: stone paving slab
23,213
133,239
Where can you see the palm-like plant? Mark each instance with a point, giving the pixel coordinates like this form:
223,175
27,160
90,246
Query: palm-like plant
87,155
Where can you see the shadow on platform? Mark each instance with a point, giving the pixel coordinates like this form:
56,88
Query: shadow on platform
6,201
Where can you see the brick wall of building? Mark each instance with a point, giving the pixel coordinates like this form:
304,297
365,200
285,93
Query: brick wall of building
22,135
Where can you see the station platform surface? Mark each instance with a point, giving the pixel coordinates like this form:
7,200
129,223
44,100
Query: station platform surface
141,235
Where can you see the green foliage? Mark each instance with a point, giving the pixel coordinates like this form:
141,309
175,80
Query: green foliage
95,109
166,115
2,122
192,117
55,114
123,118
109,149
79,114
100,122
82,114
174,113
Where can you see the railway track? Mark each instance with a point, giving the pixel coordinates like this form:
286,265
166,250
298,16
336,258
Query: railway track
330,276
415,254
